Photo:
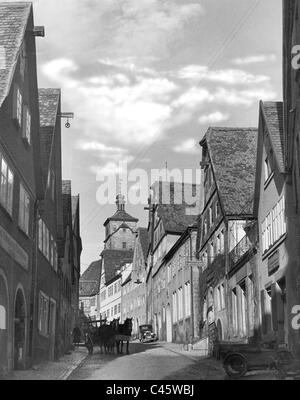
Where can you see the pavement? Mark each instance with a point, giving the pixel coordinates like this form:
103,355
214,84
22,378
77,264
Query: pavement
53,370
213,368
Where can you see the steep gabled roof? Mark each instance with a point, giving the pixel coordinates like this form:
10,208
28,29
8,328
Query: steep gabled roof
232,153
14,19
174,217
75,205
144,240
113,260
89,284
121,215
48,105
66,202
49,100
273,114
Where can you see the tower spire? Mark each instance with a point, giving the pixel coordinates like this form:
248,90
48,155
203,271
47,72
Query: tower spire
120,199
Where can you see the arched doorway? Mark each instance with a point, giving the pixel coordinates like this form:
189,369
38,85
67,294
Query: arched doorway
169,323
3,325
19,330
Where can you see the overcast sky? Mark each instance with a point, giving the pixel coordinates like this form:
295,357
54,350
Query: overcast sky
145,79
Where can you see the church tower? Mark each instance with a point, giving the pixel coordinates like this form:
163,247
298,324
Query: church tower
120,228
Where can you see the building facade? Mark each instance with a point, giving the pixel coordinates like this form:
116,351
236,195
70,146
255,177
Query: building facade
119,241
291,149
89,291
20,182
226,294
176,289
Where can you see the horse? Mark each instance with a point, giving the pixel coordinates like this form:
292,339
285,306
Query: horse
123,330
106,338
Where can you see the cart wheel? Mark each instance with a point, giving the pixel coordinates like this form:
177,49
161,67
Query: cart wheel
235,365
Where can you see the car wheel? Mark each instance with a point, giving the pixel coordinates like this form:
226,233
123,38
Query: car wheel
235,365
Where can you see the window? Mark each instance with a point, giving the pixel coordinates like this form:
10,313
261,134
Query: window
243,312
211,216
93,302
119,308
124,230
124,245
268,169
217,209
6,186
116,309
234,312
26,124
18,105
180,303
47,244
110,290
24,210
103,295
43,314
205,227
212,252
187,299
174,298
274,225
221,242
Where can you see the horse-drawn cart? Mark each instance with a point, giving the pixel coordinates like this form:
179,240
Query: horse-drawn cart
240,358
107,336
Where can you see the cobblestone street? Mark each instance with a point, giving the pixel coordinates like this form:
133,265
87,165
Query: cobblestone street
152,361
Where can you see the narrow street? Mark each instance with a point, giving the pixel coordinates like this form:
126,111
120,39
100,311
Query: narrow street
147,362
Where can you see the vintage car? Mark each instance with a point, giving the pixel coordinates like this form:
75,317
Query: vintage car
146,334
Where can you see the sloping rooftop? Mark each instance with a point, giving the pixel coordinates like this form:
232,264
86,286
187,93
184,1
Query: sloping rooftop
121,215
127,280
75,202
273,113
14,19
233,156
89,284
144,240
113,260
48,102
66,202
175,218
48,106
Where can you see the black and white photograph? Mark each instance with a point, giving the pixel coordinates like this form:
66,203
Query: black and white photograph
150,193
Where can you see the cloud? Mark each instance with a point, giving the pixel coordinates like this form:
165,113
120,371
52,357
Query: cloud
255,59
188,146
213,118
198,73
111,168
129,112
193,98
